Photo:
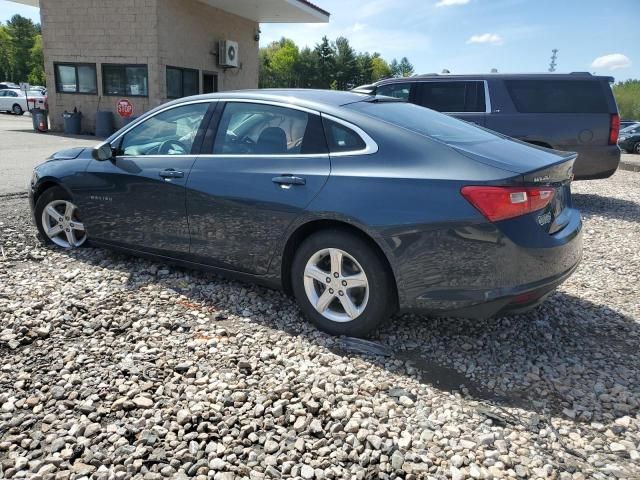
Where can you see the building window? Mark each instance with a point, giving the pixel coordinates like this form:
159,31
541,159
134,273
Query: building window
76,78
182,82
127,80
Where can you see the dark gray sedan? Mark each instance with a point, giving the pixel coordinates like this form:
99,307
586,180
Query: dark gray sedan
359,206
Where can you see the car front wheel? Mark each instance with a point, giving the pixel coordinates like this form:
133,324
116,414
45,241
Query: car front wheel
636,148
341,283
58,219
17,109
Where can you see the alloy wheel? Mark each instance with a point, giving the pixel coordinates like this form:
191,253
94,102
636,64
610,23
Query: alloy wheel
61,223
17,109
336,285
637,148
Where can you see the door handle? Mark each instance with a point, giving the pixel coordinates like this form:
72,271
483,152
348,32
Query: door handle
289,180
171,173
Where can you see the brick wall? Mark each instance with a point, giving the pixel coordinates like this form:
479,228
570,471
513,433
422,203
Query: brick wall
157,33
190,30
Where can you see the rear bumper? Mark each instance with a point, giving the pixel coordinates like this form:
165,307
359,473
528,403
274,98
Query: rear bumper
594,161
481,272
507,301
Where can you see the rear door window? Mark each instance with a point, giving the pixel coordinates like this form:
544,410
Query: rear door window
248,128
557,96
395,90
452,96
341,138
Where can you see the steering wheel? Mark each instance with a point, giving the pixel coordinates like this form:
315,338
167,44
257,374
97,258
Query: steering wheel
176,145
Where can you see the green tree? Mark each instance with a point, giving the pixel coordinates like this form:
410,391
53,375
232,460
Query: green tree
7,54
394,66
326,63
405,68
365,68
346,72
307,68
22,31
379,68
278,64
36,62
627,95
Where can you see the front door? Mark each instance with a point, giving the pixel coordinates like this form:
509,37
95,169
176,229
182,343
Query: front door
267,164
138,198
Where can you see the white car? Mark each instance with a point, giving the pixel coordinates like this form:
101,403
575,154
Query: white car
15,101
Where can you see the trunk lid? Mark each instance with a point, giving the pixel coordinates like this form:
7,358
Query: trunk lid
512,155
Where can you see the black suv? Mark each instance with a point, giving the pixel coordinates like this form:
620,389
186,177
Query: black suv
573,111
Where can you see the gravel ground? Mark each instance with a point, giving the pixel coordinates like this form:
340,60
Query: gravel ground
117,367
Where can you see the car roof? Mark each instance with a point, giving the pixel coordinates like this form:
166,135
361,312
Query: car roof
503,76
309,98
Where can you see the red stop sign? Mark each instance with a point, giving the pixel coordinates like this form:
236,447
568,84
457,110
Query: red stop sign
125,108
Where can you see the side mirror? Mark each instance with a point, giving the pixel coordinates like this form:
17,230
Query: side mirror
102,152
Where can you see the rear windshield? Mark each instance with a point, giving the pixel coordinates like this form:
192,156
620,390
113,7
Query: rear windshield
557,96
425,122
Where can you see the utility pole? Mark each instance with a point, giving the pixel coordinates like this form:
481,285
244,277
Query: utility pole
554,57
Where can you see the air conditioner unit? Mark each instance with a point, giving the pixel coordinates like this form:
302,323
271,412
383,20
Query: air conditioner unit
228,53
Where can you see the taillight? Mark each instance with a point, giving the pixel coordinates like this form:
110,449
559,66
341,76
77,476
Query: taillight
614,129
500,203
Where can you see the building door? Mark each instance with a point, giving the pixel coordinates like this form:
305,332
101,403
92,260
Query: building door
209,82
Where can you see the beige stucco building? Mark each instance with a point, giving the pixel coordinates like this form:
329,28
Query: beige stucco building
140,53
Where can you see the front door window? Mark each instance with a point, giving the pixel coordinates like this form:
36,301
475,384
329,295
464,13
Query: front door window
171,132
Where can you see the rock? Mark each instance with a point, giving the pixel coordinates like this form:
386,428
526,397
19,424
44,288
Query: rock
143,402
183,416
92,430
307,472
82,469
397,460
271,447
339,413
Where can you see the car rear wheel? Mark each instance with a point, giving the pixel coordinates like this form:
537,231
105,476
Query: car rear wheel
17,109
636,148
58,219
341,284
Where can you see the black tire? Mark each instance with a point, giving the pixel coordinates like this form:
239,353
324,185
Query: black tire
46,197
381,303
636,148
17,110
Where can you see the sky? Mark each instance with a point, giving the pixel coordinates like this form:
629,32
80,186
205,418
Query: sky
472,36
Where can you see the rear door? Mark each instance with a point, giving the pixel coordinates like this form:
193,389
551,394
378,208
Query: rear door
138,198
463,99
265,165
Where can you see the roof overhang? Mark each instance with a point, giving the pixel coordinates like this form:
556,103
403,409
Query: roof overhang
263,11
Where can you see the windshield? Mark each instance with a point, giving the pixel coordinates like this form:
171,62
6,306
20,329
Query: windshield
425,122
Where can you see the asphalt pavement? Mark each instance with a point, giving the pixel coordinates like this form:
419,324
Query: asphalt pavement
21,149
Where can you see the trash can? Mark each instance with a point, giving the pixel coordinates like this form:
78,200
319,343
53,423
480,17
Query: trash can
40,120
72,122
104,124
